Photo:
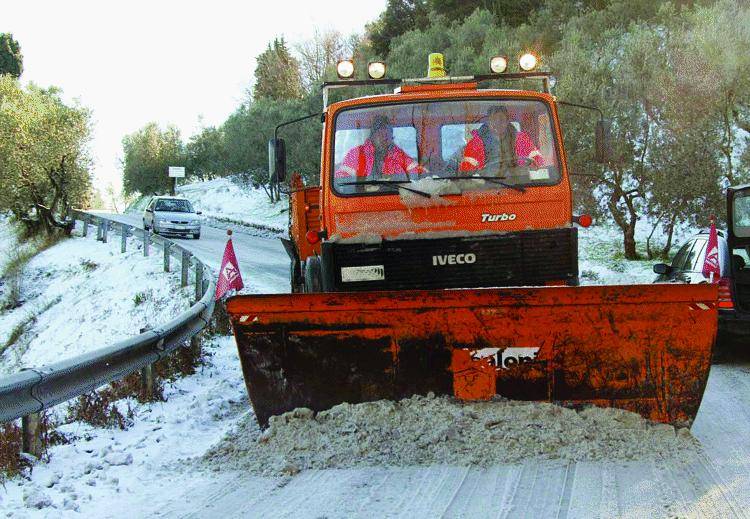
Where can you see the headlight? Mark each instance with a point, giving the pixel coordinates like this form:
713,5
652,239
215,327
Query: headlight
499,64
527,62
376,70
345,68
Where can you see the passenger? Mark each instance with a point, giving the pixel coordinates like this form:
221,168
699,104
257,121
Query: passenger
497,142
378,153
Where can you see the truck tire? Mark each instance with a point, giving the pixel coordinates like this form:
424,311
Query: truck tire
295,276
313,275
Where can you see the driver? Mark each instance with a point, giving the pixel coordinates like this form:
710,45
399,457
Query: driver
496,141
378,153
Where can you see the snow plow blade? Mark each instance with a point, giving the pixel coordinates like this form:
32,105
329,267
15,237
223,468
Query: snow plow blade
643,348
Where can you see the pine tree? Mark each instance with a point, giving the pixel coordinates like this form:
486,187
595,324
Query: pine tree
277,74
11,60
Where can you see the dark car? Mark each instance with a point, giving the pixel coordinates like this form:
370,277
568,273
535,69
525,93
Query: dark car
734,261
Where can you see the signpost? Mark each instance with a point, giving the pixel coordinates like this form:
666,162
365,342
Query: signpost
176,172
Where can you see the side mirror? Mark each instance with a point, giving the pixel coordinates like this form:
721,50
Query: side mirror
199,212
603,141
276,160
662,269
149,210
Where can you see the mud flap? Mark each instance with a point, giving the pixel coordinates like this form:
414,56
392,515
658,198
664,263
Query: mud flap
644,348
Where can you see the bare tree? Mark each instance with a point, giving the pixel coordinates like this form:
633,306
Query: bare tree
319,53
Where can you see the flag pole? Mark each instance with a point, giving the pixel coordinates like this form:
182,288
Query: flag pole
230,278
712,219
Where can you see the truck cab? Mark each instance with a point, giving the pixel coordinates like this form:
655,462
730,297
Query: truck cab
437,185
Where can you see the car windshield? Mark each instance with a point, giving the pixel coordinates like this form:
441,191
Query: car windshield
173,206
462,140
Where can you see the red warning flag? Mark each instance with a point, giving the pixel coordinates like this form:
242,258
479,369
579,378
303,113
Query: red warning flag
229,273
711,267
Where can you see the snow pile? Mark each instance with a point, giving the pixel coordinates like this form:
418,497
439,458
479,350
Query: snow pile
81,295
429,430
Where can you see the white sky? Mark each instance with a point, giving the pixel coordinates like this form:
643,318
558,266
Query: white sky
165,61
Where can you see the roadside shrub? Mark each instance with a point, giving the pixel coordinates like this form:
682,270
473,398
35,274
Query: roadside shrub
11,461
89,266
100,410
140,298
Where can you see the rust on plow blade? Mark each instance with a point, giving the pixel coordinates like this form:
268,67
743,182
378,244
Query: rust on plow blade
644,348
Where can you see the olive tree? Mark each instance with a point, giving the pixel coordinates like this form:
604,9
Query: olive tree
44,163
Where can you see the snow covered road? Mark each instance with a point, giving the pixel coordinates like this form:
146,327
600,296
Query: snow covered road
263,262
713,483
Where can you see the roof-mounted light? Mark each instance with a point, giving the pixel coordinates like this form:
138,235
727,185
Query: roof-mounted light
376,70
345,68
437,65
498,64
528,62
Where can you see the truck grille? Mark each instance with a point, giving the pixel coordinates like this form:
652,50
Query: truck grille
522,258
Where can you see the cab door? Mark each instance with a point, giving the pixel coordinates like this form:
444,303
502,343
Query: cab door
738,226
738,216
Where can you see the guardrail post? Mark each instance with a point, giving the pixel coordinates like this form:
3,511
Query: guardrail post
146,241
198,281
185,267
123,238
105,230
166,255
85,227
147,382
99,230
31,427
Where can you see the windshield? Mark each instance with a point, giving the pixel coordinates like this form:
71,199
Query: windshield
460,140
174,206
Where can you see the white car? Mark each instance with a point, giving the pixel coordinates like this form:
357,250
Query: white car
172,215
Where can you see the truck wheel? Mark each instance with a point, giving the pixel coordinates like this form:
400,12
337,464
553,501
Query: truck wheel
295,276
313,275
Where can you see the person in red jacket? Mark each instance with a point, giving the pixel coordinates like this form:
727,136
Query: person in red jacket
378,154
498,144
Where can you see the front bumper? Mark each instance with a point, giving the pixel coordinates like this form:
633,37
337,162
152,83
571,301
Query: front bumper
168,228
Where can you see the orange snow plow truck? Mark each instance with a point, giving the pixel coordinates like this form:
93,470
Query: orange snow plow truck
439,254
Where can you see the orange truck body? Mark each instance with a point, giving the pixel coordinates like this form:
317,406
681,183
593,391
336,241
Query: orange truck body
546,208
644,348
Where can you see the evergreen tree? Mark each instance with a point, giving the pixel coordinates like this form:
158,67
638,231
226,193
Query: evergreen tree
399,17
277,73
11,60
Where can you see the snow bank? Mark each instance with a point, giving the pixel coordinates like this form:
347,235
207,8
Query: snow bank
82,295
130,473
601,262
228,200
429,430
7,240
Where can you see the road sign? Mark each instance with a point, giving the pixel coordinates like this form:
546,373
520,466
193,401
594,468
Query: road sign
176,172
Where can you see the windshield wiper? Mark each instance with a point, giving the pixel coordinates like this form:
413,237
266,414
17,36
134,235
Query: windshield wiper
493,180
393,183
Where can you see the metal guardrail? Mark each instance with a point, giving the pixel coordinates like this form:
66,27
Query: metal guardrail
32,390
